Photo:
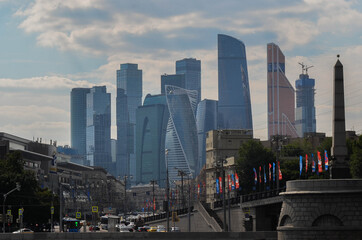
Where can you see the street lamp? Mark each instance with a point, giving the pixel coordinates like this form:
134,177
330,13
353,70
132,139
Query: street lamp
189,207
125,193
182,174
153,196
5,195
167,192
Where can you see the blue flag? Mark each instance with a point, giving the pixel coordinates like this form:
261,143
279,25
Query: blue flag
273,172
300,165
264,175
217,186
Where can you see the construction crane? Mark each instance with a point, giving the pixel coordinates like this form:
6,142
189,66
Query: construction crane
305,68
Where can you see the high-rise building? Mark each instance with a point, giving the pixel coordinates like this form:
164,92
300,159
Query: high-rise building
305,121
206,120
152,119
78,119
181,135
173,79
191,68
234,107
122,121
280,95
129,78
99,128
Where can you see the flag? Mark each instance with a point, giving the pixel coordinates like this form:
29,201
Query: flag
313,163
306,163
198,190
237,181
325,160
270,172
154,204
255,177
300,165
260,174
280,172
217,186
273,172
320,169
264,175
220,182
232,182
229,182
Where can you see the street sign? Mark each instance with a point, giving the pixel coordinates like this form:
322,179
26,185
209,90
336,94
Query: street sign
20,211
78,215
8,212
94,209
52,210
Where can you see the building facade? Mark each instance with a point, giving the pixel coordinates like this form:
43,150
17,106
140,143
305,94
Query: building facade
234,107
172,79
129,78
152,119
206,120
181,136
99,128
191,68
281,100
78,119
305,121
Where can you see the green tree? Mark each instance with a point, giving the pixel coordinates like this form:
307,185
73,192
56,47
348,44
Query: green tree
356,158
252,155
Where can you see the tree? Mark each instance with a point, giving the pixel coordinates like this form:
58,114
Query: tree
252,155
356,158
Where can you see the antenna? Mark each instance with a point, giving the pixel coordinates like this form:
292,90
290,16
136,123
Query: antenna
306,68
302,64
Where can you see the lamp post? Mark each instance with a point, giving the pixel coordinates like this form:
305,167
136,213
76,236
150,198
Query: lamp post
5,195
277,139
182,174
153,196
125,194
167,192
189,207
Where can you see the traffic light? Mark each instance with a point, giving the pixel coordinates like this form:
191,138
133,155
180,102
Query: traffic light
76,223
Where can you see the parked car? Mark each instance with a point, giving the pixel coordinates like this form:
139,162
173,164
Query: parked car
24,230
175,229
152,229
161,228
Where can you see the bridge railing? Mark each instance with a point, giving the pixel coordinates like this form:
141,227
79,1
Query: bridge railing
262,195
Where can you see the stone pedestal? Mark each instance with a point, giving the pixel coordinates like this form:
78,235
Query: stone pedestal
321,209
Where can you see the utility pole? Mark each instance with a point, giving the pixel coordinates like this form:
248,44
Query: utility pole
5,195
167,192
189,207
182,174
153,197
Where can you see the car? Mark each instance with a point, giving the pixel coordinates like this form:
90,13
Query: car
24,230
143,229
161,228
94,228
152,229
175,229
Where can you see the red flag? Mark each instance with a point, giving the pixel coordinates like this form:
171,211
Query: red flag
260,174
270,172
220,181
229,182
319,162
280,172
198,190
306,163
237,181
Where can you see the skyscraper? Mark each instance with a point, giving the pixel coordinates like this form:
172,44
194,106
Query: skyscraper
99,128
305,120
181,135
172,79
129,78
280,95
78,119
152,119
122,121
234,107
191,68
206,120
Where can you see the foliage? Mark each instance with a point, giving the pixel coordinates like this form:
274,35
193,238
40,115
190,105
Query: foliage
356,158
297,148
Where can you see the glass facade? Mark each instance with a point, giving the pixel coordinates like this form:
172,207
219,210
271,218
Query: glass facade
234,107
206,120
173,79
305,121
181,133
129,78
152,119
99,128
122,121
191,68
281,96
78,119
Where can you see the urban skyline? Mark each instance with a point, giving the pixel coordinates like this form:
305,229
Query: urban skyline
44,61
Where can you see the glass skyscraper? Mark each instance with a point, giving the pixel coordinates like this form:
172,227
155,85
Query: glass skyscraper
234,107
99,128
152,119
129,78
181,135
172,79
191,68
280,95
305,121
78,119
206,120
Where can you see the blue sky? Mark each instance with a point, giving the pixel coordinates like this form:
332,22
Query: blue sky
49,47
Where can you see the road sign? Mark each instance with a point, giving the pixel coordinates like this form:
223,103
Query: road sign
8,212
78,215
52,210
20,211
95,209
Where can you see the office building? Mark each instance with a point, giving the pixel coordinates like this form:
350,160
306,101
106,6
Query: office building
206,120
152,119
191,68
280,95
305,121
99,128
181,134
129,78
177,80
234,107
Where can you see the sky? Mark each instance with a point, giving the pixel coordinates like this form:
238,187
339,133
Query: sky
49,47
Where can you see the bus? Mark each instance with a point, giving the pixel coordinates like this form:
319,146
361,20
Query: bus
71,224
109,222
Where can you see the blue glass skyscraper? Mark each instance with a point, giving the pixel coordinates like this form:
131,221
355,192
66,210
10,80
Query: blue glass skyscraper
129,78
191,68
206,120
99,128
234,107
172,79
181,135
